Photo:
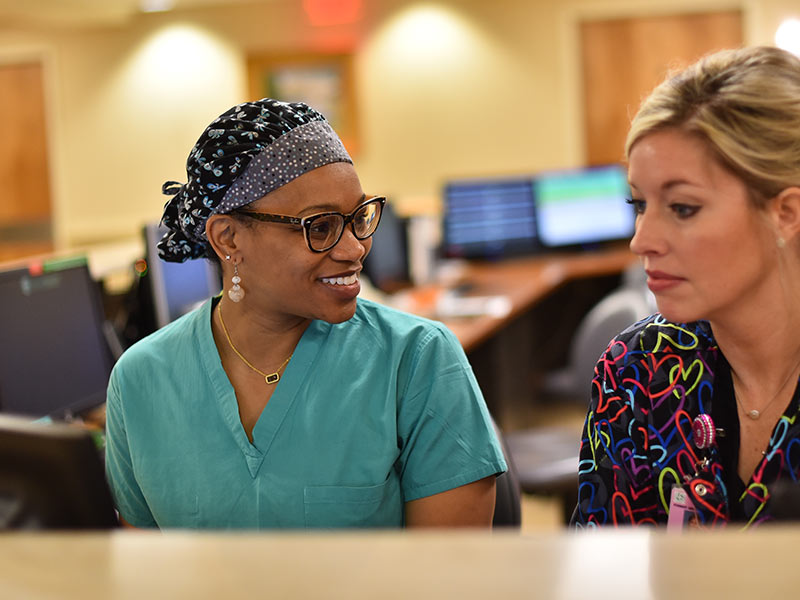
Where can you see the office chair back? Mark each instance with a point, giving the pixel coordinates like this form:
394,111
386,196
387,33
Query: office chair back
618,310
614,313
507,509
51,477
546,458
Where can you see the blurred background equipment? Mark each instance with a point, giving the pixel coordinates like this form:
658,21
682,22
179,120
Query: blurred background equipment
55,356
176,288
51,477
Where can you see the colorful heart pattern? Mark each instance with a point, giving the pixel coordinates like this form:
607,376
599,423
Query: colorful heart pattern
651,383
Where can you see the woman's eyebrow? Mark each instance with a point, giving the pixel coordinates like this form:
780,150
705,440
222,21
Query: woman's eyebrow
328,207
667,185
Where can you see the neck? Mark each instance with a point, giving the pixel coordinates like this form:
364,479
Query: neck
264,341
759,334
760,349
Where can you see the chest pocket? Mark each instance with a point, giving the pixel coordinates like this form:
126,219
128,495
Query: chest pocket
378,506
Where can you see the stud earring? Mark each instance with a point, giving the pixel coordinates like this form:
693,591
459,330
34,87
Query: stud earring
236,293
781,242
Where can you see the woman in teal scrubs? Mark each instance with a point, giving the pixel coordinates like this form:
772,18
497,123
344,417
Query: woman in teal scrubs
288,402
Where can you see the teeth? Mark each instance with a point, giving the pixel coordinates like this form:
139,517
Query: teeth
340,280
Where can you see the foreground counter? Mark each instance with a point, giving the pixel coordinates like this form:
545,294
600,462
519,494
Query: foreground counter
387,565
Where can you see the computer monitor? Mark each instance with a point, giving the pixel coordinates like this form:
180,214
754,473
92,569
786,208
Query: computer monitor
582,207
54,357
387,265
176,288
51,477
489,218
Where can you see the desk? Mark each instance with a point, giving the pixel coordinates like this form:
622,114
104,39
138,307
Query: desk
525,281
504,351
618,565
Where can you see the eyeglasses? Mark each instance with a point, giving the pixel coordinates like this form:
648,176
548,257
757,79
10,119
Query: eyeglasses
324,230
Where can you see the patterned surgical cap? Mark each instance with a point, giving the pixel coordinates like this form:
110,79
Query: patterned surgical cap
247,152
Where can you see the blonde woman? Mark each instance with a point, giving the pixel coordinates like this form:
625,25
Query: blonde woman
694,411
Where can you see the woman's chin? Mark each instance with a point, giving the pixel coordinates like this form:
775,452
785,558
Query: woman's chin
677,314
342,314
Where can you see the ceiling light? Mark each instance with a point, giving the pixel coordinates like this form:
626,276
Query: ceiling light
788,36
156,5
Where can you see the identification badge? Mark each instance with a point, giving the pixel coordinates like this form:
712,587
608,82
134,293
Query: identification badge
682,512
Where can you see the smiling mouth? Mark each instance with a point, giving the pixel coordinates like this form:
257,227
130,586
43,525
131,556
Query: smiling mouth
349,280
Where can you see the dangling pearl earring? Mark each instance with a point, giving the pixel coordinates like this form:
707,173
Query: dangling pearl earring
781,242
236,293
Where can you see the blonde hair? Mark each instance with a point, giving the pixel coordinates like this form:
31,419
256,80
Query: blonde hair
745,104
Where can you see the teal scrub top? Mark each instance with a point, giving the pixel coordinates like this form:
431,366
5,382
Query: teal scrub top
369,414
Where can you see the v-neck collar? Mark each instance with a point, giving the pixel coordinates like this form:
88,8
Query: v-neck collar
283,396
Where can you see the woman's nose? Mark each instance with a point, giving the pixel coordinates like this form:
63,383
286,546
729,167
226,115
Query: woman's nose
647,237
349,248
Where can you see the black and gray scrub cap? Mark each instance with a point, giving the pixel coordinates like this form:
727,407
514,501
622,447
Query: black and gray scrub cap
247,152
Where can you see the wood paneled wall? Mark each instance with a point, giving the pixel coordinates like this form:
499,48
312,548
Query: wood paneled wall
623,59
25,215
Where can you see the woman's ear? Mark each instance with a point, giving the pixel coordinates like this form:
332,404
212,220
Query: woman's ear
221,234
786,206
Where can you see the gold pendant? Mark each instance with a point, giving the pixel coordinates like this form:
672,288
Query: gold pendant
272,378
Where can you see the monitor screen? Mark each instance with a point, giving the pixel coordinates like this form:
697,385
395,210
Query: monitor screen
54,357
582,207
489,218
177,288
51,477
386,265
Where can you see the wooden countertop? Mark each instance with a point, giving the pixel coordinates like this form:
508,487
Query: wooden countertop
636,564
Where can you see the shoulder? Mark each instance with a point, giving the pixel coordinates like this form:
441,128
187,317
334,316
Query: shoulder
389,324
656,335
409,345
650,349
162,345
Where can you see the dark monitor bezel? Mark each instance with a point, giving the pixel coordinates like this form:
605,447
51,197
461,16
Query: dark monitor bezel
79,265
392,230
152,233
52,477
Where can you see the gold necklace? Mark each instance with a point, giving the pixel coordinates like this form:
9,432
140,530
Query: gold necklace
756,414
269,378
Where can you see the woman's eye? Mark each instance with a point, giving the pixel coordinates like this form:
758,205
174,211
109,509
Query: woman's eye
638,205
320,228
684,211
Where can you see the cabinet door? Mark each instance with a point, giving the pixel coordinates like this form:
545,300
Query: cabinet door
25,215
623,59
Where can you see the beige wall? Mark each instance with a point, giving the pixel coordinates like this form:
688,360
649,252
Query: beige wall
495,93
